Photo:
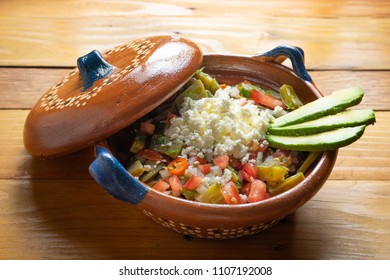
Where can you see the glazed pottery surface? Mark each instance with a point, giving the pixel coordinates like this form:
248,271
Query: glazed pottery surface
218,221
107,92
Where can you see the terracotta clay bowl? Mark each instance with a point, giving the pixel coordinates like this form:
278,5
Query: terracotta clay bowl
220,221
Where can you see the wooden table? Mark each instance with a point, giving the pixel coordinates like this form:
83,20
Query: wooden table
52,209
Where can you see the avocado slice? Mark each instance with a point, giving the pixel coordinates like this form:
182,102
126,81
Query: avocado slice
194,91
344,119
328,140
337,102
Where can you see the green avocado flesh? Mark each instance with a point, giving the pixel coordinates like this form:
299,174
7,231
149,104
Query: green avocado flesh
329,140
337,102
344,119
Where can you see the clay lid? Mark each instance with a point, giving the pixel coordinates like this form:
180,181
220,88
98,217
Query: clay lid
108,92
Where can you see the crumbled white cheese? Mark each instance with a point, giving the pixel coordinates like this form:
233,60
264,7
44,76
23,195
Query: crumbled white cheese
278,111
216,176
245,159
147,167
164,173
233,91
218,126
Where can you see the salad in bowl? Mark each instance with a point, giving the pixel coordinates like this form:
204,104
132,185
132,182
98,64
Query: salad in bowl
209,144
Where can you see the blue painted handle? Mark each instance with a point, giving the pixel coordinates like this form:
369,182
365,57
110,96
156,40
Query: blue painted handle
115,179
295,54
93,67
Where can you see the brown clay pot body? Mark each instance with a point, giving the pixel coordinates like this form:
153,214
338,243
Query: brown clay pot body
109,92
225,221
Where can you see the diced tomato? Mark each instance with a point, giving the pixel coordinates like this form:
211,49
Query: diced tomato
235,163
170,116
204,168
256,147
230,193
152,155
178,166
223,86
197,159
147,128
262,147
250,169
221,161
266,99
175,184
193,182
201,160
245,176
258,190
161,186
280,153
246,189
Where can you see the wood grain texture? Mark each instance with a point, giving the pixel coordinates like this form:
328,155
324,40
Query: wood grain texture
16,163
77,219
22,87
342,30
52,209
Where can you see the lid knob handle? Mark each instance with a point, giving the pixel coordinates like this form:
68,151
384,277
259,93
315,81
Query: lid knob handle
93,67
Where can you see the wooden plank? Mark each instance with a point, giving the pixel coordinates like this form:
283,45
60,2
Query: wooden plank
15,162
374,83
366,159
78,220
40,34
22,87
52,209
276,8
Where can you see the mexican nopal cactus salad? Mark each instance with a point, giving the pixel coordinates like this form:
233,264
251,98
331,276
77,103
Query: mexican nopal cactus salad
210,144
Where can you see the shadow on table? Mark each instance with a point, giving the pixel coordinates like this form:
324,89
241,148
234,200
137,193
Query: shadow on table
77,219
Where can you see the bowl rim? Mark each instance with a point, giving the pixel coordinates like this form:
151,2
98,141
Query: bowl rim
300,194
307,185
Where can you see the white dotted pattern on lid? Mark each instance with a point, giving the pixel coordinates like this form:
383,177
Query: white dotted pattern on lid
51,100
